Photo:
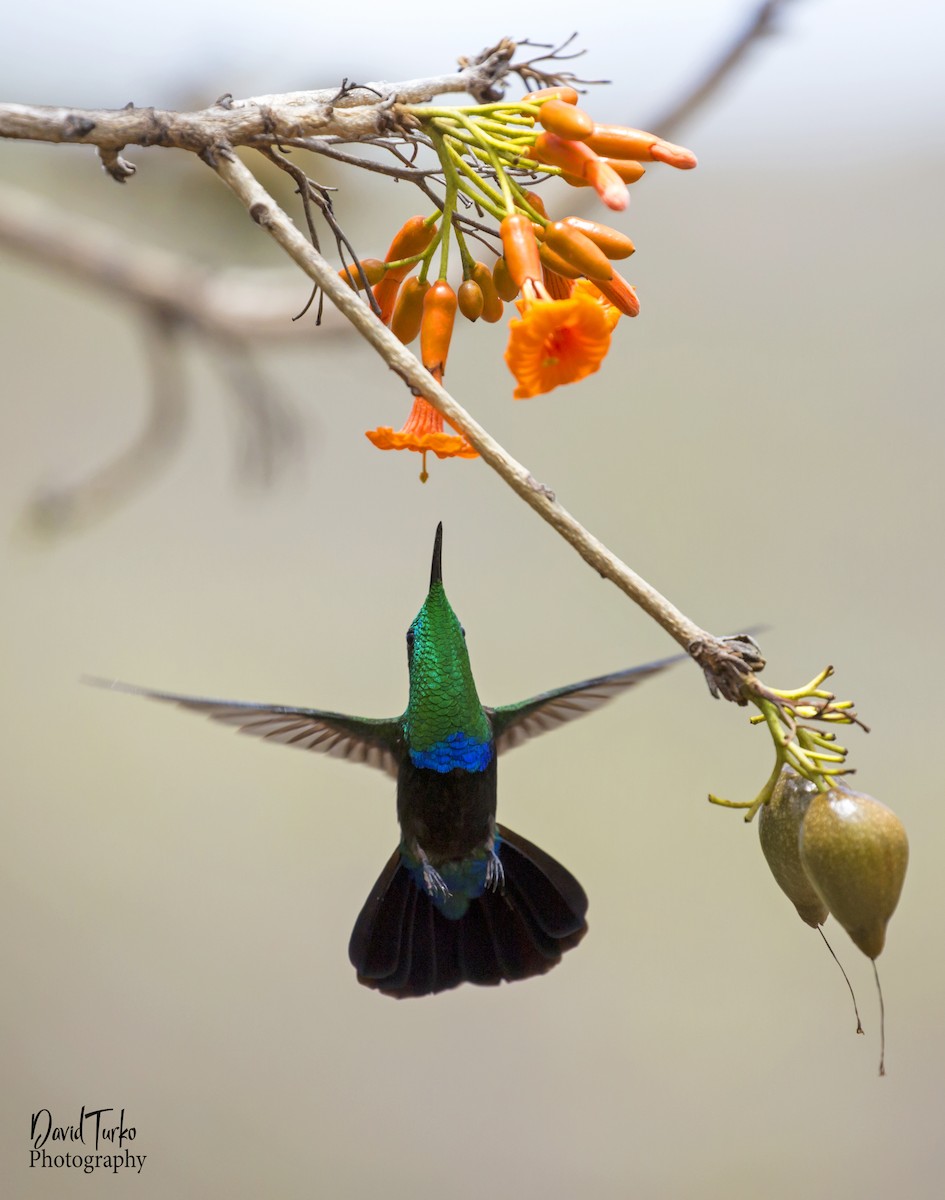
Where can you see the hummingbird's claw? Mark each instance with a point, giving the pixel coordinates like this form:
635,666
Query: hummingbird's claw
495,873
434,884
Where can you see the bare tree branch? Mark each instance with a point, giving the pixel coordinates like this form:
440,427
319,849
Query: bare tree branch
267,214
355,113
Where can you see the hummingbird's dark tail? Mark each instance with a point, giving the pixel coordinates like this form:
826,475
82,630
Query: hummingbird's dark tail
404,946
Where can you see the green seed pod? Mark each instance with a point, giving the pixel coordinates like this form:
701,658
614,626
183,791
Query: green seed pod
855,853
779,827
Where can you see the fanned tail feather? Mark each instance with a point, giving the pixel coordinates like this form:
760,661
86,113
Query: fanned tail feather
404,946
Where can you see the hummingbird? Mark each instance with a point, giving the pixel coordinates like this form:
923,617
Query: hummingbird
462,899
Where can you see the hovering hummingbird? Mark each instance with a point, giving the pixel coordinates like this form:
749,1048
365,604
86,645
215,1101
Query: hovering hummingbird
462,899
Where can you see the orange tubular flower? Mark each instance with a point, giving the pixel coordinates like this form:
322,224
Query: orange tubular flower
566,120
611,312
579,159
556,342
618,141
613,243
537,203
607,184
412,238
408,311
520,248
558,286
567,94
423,431
621,294
373,270
557,265
436,331
424,428
576,248
626,169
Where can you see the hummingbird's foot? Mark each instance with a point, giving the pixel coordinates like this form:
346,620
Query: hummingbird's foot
495,873
434,884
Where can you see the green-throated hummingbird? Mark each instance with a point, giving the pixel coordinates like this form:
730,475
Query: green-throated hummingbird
462,899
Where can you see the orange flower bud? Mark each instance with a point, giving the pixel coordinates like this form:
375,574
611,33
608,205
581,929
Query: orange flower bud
492,306
577,158
470,300
673,155
537,203
505,285
620,294
412,238
565,120
613,243
628,170
520,247
436,329
408,311
566,94
607,184
385,293
618,141
557,265
572,157
574,180
578,249
373,270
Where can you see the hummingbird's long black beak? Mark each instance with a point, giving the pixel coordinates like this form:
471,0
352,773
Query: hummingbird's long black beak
436,571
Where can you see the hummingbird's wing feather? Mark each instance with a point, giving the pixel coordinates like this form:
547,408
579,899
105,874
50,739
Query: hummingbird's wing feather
373,742
513,724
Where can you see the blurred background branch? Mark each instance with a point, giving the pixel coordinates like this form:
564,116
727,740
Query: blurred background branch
237,303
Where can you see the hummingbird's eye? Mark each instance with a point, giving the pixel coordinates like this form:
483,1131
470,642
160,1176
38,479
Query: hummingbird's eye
462,631
410,637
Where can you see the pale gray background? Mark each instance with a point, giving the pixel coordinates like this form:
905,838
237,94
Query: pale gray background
764,444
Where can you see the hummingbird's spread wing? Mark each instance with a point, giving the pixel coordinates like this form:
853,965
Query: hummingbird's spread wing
513,724
355,739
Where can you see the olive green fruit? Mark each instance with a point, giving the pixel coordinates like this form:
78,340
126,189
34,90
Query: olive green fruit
779,827
855,853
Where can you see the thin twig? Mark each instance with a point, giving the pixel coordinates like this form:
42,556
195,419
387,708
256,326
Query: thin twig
331,150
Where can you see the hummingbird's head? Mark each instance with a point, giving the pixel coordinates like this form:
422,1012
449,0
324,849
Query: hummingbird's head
441,679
